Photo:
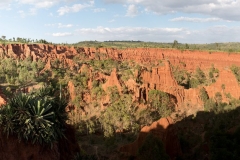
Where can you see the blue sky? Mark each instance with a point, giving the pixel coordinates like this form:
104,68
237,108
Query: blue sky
71,21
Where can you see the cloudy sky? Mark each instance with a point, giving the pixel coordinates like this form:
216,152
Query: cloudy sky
71,21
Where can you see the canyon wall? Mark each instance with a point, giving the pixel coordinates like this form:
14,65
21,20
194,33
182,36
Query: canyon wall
192,59
160,77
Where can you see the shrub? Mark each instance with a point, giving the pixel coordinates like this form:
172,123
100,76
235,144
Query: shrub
34,118
204,95
161,102
236,71
153,149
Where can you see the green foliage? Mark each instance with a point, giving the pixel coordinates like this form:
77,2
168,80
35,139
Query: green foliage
97,93
126,75
106,66
175,44
218,97
153,149
161,102
200,76
36,118
213,74
236,71
204,95
181,76
210,105
20,72
116,117
194,83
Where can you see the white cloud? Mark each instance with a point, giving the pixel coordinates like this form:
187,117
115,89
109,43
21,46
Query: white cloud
40,4
64,34
188,19
75,8
99,10
131,33
60,25
132,11
214,34
6,4
223,9
23,14
183,35
112,20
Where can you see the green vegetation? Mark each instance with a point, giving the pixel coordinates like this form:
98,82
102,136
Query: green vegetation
236,71
107,118
38,117
153,149
20,72
195,79
204,95
3,40
230,47
182,76
213,74
161,103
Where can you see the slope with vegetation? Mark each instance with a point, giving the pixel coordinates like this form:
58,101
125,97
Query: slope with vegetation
113,93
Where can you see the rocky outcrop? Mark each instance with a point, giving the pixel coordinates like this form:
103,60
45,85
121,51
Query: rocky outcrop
191,59
226,83
163,130
2,99
159,77
39,51
112,81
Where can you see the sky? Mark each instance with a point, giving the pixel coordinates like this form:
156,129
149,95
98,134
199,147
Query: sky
72,21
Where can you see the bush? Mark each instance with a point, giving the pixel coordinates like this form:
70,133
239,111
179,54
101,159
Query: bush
153,149
161,102
34,118
204,95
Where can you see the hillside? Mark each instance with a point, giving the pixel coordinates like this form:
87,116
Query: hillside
116,92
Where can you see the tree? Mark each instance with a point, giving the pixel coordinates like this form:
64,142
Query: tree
161,103
218,97
4,37
200,75
175,44
204,95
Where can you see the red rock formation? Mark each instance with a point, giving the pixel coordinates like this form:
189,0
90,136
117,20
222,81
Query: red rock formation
230,83
159,78
2,99
112,81
39,51
163,130
71,90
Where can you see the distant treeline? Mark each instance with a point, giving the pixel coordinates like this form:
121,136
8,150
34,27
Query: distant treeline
123,41
23,40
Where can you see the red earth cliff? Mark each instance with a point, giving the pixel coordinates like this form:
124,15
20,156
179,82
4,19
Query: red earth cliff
160,77
163,130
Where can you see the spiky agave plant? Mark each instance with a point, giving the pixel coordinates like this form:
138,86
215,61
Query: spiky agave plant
34,118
